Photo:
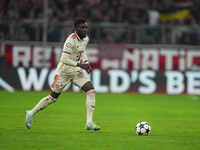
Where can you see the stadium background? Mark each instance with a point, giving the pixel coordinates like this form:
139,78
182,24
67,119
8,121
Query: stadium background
151,45
138,49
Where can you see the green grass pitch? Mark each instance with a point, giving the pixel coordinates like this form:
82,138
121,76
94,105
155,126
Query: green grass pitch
175,122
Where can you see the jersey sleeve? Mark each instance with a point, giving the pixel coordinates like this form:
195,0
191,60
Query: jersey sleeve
84,57
66,57
68,45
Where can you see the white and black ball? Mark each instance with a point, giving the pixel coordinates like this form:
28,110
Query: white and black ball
143,128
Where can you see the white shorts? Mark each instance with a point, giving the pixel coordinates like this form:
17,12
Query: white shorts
62,78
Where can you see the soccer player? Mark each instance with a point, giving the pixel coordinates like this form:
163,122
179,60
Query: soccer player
69,69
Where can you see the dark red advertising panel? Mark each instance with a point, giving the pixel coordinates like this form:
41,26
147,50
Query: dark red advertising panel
117,68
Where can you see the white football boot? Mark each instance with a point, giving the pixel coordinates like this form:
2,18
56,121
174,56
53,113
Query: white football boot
29,119
92,126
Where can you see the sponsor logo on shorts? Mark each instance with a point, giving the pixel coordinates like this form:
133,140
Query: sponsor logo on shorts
57,86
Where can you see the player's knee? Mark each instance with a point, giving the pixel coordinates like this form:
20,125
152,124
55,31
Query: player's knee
88,87
54,96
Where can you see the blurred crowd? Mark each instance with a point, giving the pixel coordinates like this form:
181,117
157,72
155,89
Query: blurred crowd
135,21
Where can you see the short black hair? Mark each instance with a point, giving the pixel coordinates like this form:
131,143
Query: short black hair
79,21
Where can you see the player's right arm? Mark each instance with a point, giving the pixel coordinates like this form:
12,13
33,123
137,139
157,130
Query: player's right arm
66,56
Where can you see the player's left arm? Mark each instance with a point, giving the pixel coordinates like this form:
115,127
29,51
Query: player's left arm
84,58
84,63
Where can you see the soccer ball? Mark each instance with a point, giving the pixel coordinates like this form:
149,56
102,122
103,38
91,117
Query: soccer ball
143,128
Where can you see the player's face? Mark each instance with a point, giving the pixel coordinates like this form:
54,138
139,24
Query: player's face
82,30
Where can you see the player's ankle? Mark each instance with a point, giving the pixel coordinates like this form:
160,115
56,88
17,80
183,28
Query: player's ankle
31,113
